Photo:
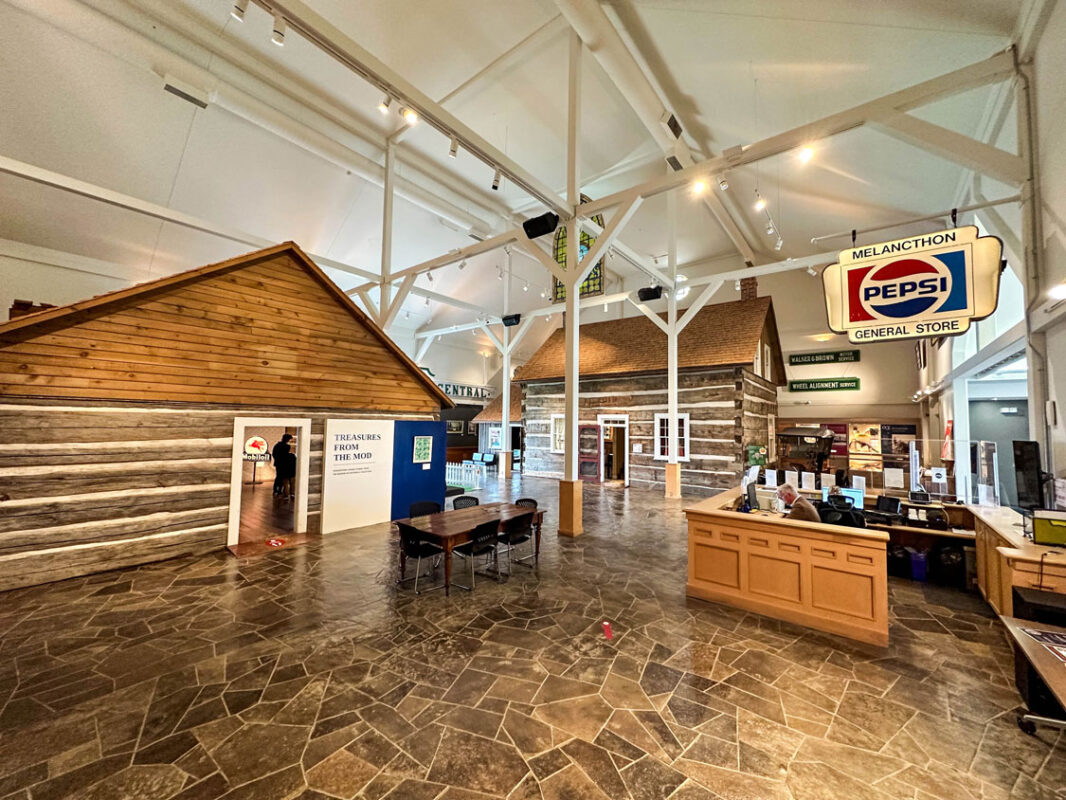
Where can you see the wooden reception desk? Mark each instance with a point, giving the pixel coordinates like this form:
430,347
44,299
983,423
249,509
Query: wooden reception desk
826,577
1007,559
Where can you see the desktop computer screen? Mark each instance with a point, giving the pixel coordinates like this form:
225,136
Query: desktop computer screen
855,495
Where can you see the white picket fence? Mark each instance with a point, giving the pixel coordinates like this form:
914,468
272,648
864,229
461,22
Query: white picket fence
469,476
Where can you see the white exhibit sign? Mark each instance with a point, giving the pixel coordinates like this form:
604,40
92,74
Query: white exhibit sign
934,284
356,473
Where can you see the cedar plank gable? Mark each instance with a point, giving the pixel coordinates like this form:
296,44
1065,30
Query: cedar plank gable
265,329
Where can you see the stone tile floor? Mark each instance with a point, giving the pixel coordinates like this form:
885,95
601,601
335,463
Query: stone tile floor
308,674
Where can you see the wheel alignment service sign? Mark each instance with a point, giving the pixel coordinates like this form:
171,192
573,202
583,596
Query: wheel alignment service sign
934,284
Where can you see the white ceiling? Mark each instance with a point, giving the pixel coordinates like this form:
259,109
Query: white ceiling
88,103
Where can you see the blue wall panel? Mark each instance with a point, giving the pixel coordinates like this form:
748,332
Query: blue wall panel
410,482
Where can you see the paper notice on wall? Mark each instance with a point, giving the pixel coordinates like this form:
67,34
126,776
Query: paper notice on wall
771,478
753,474
858,482
828,480
807,481
893,478
791,476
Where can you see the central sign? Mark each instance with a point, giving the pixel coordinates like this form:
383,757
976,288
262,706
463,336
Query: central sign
930,285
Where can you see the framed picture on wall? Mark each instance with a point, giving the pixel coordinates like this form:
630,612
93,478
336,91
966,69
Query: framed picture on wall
471,428
455,426
423,453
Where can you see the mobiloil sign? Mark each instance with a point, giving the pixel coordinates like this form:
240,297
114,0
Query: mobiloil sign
929,285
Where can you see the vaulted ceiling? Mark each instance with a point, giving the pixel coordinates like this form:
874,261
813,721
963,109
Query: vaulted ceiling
290,141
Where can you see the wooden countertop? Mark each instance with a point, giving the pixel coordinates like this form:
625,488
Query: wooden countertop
1047,665
1007,523
721,506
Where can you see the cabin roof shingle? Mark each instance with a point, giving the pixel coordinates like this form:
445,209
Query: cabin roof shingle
724,334
493,412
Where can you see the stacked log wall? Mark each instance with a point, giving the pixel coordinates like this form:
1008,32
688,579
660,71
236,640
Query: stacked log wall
94,486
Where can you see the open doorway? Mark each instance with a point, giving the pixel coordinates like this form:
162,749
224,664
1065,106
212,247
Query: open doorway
269,479
614,460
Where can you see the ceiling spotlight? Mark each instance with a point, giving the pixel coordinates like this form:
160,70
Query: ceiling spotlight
526,287
805,154
1057,292
699,186
769,229
779,243
429,277
736,285
383,106
723,183
410,116
438,337
548,318
462,264
453,148
499,274
760,204
605,307
812,272
543,295
407,315
496,180
427,302
278,35
239,7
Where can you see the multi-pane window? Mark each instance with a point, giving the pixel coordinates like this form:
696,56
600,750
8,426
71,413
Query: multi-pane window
558,433
662,437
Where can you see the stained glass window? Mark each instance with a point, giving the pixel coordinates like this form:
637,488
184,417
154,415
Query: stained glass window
594,283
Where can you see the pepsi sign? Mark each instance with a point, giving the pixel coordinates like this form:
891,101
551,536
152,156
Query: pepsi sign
929,285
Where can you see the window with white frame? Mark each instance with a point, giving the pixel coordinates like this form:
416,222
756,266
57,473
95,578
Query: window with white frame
662,437
558,433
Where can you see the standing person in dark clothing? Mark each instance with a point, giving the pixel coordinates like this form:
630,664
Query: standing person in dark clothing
288,484
280,454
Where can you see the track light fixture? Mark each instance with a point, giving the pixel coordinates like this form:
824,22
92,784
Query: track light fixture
278,34
239,7
407,315
462,265
736,285
496,178
427,302
543,295
429,277
812,272
410,116
526,287
760,204
499,273
383,106
723,183
453,148
699,186
769,228
779,243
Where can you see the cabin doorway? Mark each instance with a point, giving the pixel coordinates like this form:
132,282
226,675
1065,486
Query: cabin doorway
268,497
614,449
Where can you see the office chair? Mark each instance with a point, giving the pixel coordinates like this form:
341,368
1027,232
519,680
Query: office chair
424,507
414,546
464,501
482,542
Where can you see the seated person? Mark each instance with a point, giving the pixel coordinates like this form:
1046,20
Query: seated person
801,506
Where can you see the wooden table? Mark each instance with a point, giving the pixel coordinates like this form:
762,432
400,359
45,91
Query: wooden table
1048,669
449,529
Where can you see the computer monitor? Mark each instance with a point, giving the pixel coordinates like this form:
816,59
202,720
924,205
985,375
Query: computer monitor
888,505
1027,475
855,495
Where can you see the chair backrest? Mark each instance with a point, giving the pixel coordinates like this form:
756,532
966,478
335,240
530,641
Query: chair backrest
423,507
485,534
464,501
526,501
516,455
477,458
410,539
489,458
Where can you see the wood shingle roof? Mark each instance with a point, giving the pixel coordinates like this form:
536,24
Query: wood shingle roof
493,411
724,334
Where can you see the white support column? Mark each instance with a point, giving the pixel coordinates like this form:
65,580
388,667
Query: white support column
423,348
570,496
505,385
385,296
673,466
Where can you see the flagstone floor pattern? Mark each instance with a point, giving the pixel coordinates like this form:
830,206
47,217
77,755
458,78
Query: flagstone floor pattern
308,673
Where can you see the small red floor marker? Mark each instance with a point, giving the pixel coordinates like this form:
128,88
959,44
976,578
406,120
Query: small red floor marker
607,630
275,542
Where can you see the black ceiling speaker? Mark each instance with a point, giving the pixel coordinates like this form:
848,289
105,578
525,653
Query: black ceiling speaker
539,226
649,293
511,320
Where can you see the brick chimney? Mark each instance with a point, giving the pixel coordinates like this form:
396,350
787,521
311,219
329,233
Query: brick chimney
749,288
20,308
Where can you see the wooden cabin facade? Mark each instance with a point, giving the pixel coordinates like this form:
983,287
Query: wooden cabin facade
729,367
117,414
491,416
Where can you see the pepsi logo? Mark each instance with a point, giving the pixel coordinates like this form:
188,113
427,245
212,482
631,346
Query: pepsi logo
907,287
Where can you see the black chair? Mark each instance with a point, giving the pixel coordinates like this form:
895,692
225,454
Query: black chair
526,501
464,501
424,507
518,531
482,543
415,546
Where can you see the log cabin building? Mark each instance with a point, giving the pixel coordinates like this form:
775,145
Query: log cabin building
729,368
491,416
120,415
